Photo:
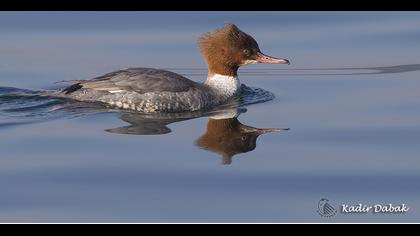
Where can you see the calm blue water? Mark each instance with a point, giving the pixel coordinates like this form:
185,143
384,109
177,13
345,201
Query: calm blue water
350,98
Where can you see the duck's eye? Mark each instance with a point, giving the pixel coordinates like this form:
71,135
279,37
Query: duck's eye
245,51
243,138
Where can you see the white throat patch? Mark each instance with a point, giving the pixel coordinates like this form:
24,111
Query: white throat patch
226,85
226,114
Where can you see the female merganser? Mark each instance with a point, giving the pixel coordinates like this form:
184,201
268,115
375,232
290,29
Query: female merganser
155,90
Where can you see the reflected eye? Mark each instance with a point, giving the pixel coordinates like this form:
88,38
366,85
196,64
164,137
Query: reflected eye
245,51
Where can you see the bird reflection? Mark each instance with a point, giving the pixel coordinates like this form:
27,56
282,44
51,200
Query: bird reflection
224,135
229,137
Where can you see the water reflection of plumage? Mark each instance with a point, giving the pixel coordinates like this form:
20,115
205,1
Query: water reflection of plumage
224,135
325,209
229,137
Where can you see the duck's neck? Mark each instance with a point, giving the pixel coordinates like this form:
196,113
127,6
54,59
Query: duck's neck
227,85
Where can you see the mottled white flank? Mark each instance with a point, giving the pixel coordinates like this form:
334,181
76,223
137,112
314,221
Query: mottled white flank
224,84
116,91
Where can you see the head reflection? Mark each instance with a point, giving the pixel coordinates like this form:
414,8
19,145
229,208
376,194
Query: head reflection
229,137
224,135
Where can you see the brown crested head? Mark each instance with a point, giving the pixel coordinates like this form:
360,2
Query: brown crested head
227,48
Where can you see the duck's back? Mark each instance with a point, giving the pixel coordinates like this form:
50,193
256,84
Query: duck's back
142,89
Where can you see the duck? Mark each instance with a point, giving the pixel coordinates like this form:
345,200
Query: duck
151,90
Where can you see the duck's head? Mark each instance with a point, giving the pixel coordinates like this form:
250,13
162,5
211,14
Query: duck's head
228,48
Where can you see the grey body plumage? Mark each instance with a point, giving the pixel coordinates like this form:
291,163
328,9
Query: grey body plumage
153,90
145,90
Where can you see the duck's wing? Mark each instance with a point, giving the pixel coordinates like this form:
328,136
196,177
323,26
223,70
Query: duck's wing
140,125
140,80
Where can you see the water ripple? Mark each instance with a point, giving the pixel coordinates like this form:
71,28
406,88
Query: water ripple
20,106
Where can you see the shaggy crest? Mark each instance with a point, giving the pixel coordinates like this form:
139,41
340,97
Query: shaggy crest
223,49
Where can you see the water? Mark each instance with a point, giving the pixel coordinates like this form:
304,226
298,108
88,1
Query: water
350,98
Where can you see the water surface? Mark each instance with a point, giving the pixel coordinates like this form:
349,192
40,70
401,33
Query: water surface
350,98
